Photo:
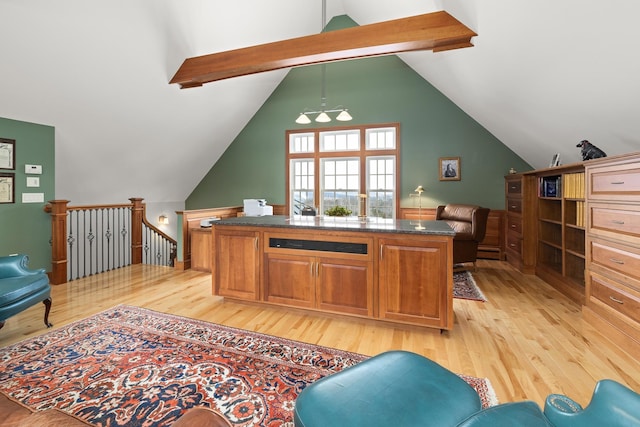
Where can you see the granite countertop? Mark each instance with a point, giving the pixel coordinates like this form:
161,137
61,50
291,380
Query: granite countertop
343,223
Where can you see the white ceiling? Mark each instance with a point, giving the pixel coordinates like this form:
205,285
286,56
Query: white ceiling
542,76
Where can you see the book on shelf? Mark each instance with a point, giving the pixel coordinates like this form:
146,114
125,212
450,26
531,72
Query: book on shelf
580,213
550,186
574,185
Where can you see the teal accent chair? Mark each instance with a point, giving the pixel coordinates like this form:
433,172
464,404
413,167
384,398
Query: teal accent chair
392,389
20,288
612,405
400,388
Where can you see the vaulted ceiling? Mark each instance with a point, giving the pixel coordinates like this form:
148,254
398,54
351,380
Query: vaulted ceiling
542,76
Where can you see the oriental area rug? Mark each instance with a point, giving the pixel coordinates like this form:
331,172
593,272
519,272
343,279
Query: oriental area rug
129,366
465,287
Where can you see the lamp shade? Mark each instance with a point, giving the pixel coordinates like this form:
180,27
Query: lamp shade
303,119
344,116
323,118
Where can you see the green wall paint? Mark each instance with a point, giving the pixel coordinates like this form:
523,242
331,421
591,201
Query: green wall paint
376,90
25,227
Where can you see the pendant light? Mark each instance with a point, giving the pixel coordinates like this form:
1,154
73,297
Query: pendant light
322,116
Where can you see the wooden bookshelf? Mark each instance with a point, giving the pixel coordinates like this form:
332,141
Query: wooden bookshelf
559,243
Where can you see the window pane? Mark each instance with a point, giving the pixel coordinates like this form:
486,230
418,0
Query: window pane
381,191
381,138
343,140
301,185
301,143
341,184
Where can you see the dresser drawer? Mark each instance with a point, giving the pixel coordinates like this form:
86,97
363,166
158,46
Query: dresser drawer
514,243
616,218
514,188
620,258
615,182
620,299
514,225
514,205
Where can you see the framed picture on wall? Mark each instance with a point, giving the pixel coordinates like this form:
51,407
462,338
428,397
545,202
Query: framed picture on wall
7,188
450,169
7,153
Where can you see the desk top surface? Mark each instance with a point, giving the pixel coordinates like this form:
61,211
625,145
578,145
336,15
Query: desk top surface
343,223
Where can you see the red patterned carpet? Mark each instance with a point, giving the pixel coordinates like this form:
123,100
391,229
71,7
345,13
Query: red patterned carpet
133,367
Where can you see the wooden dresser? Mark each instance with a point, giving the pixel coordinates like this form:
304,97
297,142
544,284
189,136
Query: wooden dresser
520,231
612,302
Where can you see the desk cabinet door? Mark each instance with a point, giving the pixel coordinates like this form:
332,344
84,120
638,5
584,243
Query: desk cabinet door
237,272
416,285
290,280
345,286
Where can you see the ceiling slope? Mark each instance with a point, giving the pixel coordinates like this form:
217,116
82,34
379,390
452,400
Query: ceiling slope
541,77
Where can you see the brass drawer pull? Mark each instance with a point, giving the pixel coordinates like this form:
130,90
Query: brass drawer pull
616,261
513,245
513,226
617,222
513,206
617,183
619,301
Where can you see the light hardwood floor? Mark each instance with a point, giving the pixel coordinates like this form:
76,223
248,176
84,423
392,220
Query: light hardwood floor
527,339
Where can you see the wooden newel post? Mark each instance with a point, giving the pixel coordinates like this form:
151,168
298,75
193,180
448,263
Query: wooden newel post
58,210
137,216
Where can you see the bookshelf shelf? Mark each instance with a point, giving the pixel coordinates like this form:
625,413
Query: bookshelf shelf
560,219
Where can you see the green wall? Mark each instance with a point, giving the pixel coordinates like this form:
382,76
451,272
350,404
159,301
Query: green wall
25,227
375,90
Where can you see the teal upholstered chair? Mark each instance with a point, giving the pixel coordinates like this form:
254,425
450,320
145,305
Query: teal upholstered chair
399,389
612,405
20,287
396,388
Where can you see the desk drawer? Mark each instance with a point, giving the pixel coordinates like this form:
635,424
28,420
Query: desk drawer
616,218
514,205
621,300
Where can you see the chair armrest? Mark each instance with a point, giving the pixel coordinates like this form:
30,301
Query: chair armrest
612,405
561,404
16,266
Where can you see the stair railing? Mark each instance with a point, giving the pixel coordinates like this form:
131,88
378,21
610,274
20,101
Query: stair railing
87,240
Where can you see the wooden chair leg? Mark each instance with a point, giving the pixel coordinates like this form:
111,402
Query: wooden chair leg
47,304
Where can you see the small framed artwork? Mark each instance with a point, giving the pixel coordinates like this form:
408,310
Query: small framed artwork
7,188
450,169
7,153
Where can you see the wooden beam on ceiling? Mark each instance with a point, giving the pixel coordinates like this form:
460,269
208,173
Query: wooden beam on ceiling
435,31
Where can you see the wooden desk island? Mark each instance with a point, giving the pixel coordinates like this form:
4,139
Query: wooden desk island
390,270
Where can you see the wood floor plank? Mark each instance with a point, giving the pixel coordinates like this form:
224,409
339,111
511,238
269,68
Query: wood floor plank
527,339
